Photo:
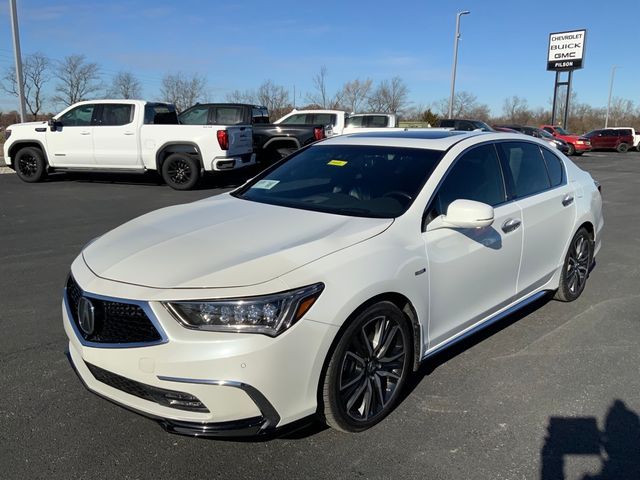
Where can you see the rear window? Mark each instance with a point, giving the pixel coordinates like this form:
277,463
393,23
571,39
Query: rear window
160,114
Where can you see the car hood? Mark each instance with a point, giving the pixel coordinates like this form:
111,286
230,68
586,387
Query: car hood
26,125
222,242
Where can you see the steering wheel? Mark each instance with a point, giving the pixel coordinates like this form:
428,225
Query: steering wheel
398,194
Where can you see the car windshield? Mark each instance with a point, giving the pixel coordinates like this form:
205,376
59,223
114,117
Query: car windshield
562,131
544,133
354,180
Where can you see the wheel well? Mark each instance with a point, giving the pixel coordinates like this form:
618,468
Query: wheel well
167,150
18,146
281,143
588,226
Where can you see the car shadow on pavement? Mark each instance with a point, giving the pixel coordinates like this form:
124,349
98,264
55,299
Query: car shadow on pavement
617,446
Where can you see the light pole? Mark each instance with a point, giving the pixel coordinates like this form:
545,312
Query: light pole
455,60
613,72
16,52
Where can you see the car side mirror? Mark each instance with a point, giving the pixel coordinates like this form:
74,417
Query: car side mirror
54,124
464,214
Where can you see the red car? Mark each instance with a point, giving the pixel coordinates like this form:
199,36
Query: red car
577,144
609,138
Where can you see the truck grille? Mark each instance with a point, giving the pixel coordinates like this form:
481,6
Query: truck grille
162,396
115,322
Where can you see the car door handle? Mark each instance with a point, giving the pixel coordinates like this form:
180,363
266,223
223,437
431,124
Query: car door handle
510,225
85,132
567,200
129,133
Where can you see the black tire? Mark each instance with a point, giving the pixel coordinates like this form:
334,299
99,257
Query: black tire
622,148
572,150
575,270
30,165
180,171
367,369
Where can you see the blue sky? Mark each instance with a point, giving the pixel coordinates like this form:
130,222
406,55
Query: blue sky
238,44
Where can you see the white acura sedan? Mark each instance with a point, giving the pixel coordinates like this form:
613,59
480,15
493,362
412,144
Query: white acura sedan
320,285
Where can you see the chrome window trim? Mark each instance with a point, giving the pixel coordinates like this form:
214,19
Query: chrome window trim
143,305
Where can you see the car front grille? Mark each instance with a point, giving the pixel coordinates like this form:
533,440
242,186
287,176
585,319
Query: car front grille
161,396
115,322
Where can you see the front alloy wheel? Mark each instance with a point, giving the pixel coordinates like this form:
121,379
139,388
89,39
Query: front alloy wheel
367,369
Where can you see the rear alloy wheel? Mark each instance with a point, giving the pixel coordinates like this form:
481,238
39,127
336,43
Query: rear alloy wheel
30,164
622,148
572,150
367,369
180,171
575,270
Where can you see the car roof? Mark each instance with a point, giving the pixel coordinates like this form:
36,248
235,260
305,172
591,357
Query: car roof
429,138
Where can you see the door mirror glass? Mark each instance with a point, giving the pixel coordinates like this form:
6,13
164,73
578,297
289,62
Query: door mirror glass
464,214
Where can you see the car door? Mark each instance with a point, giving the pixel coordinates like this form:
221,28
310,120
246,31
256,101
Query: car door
115,139
548,208
71,143
472,272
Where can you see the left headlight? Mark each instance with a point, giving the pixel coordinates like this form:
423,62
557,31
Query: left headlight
267,314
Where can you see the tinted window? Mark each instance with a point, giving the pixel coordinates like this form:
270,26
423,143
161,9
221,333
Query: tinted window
325,118
548,129
350,180
527,168
300,119
78,117
447,123
115,114
554,167
354,121
377,121
227,116
160,114
476,175
260,115
195,116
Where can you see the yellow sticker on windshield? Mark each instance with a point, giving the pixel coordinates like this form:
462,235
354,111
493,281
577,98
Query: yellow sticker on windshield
337,163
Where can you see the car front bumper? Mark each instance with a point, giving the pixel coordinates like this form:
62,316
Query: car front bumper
247,384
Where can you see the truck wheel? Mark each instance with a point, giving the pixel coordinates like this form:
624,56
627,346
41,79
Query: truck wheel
572,150
180,171
30,164
623,147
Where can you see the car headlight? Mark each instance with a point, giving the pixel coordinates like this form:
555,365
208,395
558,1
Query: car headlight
266,314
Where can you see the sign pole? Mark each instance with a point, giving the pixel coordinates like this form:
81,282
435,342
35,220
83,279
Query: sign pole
555,99
16,52
565,124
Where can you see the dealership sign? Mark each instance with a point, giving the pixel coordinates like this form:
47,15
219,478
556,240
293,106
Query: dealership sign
566,50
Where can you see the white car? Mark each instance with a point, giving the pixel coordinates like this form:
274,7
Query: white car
131,136
340,122
321,284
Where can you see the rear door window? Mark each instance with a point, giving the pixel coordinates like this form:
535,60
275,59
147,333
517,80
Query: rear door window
226,116
299,119
527,168
324,119
114,114
195,116
554,167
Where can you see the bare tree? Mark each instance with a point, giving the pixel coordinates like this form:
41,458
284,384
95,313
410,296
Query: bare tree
355,93
621,112
78,80
125,85
516,110
320,96
237,96
183,91
274,97
390,96
465,104
35,72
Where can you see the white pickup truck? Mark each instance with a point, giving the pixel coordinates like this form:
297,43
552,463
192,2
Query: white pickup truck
634,132
341,122
126,136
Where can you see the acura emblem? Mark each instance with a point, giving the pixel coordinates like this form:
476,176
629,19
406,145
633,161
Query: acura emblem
86,316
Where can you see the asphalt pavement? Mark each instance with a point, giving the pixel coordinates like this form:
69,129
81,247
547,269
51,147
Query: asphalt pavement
550,393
